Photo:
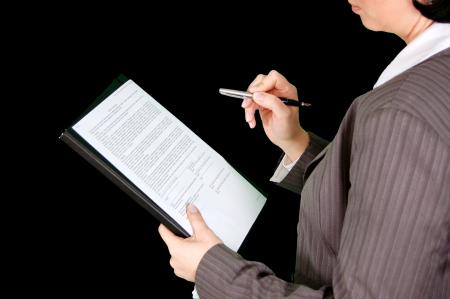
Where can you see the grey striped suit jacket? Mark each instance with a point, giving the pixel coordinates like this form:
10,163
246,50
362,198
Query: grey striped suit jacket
374,216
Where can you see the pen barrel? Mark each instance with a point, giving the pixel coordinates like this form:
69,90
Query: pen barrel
290,102
296,103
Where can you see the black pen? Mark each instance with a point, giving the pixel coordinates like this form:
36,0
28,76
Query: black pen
247,95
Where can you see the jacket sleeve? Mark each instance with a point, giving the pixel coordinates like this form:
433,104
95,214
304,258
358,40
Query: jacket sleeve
294,180
395,236
222,273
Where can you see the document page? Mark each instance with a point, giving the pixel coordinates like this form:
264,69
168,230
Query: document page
170,163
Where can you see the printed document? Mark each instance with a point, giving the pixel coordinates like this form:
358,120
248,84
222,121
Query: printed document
170,163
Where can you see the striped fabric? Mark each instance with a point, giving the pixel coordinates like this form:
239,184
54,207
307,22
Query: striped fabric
374,216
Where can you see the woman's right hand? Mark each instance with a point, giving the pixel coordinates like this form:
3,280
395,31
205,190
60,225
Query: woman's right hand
281,123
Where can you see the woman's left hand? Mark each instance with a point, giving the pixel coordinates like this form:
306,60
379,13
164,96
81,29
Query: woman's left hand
187,253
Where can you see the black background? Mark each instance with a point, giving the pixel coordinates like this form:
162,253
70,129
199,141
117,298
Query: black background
97,240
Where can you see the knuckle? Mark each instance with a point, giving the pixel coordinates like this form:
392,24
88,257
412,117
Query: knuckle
273,73
260,78
178,273
172,263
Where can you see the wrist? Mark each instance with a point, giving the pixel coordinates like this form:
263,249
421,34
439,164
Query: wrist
296,147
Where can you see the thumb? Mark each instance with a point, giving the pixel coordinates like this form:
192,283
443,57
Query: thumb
196,219
271,102
168,237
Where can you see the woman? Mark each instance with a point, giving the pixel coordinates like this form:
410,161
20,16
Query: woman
374,218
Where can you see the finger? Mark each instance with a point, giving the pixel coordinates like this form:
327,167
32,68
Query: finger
196,219
271,102
252,123
168,236
250,112
257,80
281,84
263,83
246,102
273,80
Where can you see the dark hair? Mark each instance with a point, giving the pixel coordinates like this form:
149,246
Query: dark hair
436,10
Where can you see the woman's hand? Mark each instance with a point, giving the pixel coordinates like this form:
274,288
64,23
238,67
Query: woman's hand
281,123
187,253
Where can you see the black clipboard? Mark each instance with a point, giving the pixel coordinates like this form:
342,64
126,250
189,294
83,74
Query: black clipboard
79,145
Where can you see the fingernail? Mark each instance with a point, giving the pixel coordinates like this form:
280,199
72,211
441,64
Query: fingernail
245,103
247,117
192,208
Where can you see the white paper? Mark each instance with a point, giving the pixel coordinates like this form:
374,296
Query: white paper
170,163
